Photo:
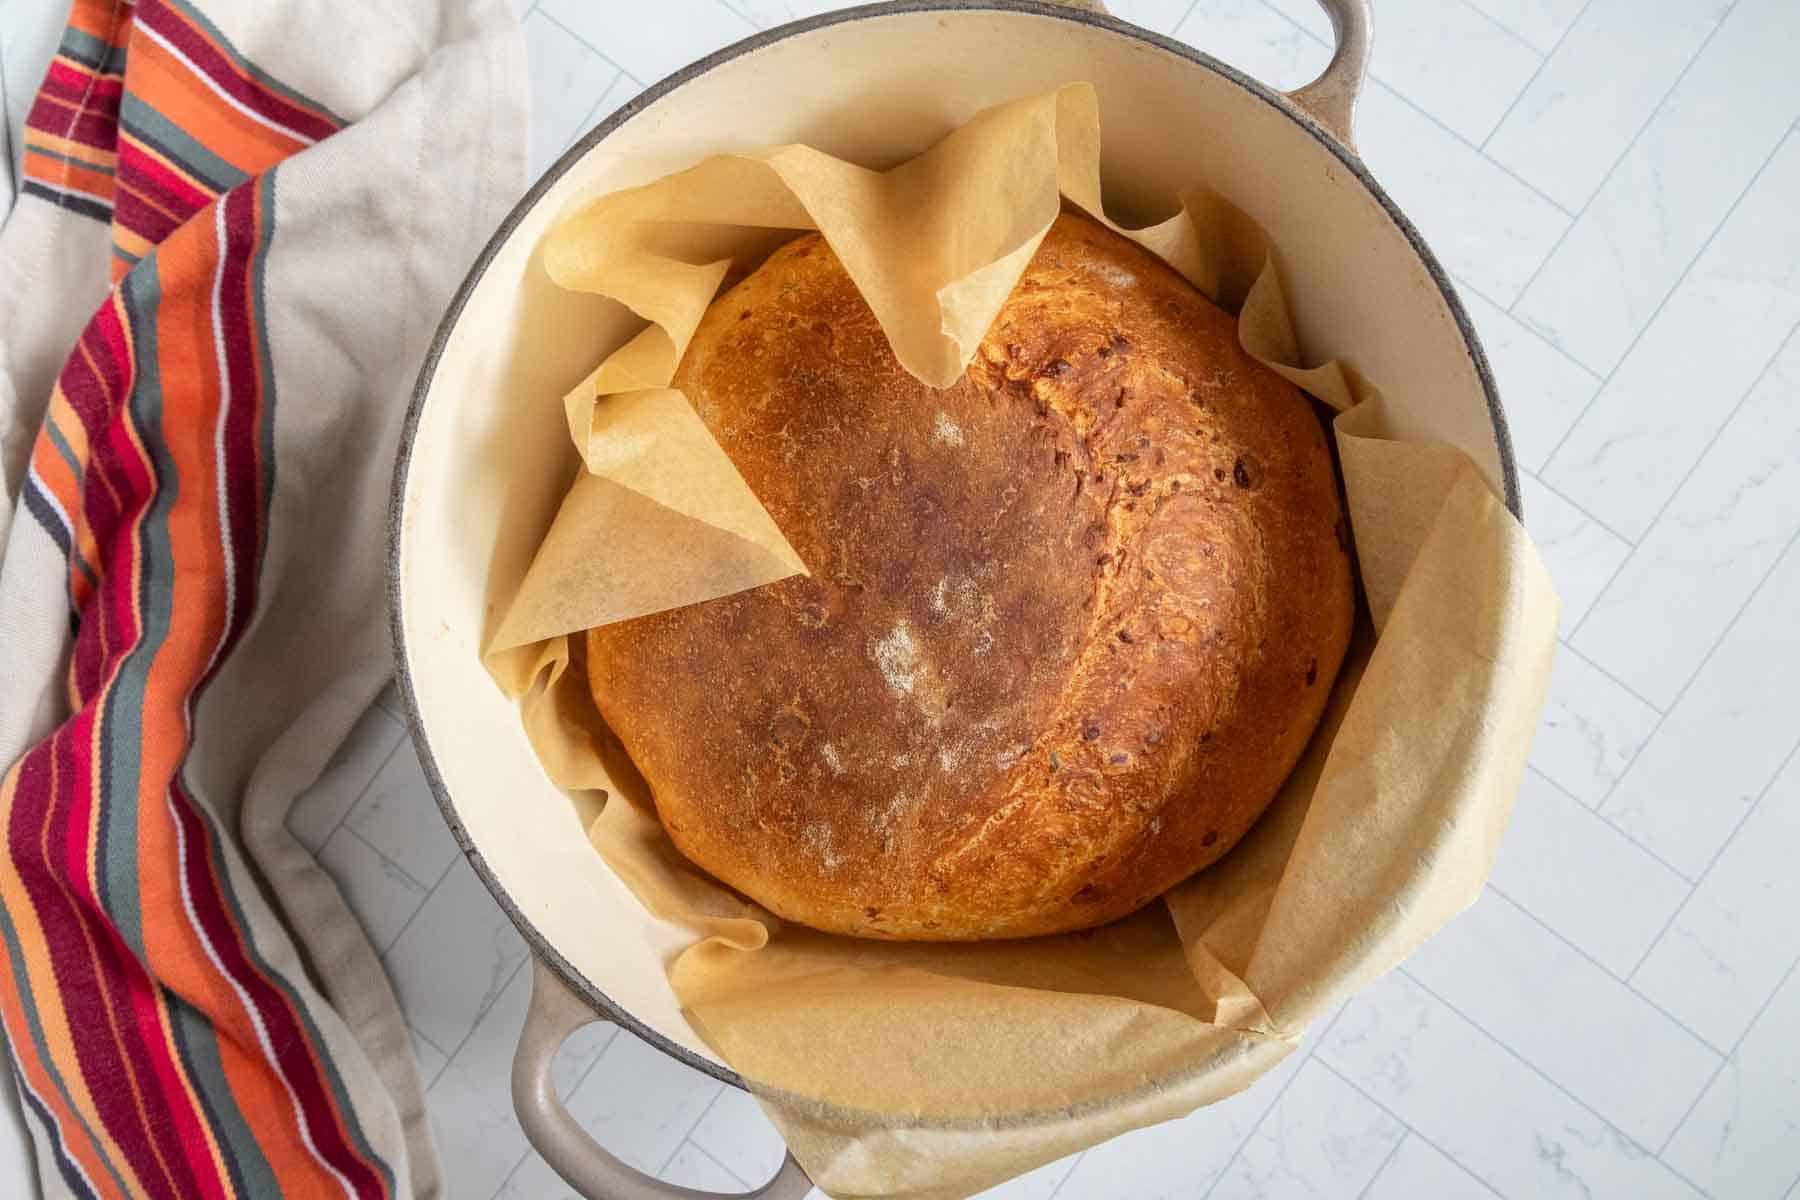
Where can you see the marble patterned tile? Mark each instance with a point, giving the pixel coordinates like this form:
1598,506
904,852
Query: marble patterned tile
1710,549
471,1107
1743,1138
1669,193
1737,935
1543,390
383,897
1556,848
1584,108
567,80
1726,737
1451,60
637,1102
736,1133
1485,225
1322,1139
399,816
692,1168
1580,1027
1590,731
1542,23
623,89
454,959
1506,1123
320,808
1039,1184
651,41
1420,1171
1582,554
1180,1159
1698,358
1255,39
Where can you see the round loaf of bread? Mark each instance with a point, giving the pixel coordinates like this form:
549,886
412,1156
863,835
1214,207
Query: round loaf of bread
1069,622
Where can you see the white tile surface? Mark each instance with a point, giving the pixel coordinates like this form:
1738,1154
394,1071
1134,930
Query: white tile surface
567,80
1506,1123
320,808
691,1168
1725,739
736,1133
1591,730
1178,1160
1669,193
1255,39
471,1102
450,963
1555,851
1323,1138
1735,938
1485,225
1517,1107
1582,554
383,897
651,40
638,1102
1450,59
1695,361
1543,389
1542,23
1705,555
1598,89
399,817
1582,1028
1419,1171
1743,1139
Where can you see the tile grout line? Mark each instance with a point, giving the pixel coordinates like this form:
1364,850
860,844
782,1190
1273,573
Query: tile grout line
1529,1065
1675,494
1463,284
377,852
697,1148
742,15
1750,811
1630,145
1623,834
1568,647
581,41
1542,63
1274,1101
1650,321
1503,27
1761,1009
1604,970
587,121
1590,517
1699,670
404,740
1358,1088
718,1091
1430,117
1406,1130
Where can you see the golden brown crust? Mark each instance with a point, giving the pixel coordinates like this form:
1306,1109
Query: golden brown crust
1070,622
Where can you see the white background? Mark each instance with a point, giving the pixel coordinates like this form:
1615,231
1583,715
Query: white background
1615,185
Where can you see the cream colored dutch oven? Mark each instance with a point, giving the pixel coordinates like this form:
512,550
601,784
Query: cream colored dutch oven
485,457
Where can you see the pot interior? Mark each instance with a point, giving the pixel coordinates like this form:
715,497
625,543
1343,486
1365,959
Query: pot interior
490,459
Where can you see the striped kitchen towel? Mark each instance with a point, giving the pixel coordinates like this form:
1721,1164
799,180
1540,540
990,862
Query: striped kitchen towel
236,229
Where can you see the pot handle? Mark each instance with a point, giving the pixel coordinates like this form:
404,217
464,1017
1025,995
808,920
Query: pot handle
1330,100
556,1013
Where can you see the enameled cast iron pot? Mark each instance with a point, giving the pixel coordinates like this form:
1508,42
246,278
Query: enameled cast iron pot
485,457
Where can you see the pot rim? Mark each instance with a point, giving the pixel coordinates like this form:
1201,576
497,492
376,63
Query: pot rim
540,946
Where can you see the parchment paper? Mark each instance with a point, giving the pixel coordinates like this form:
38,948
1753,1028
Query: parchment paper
937,1071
